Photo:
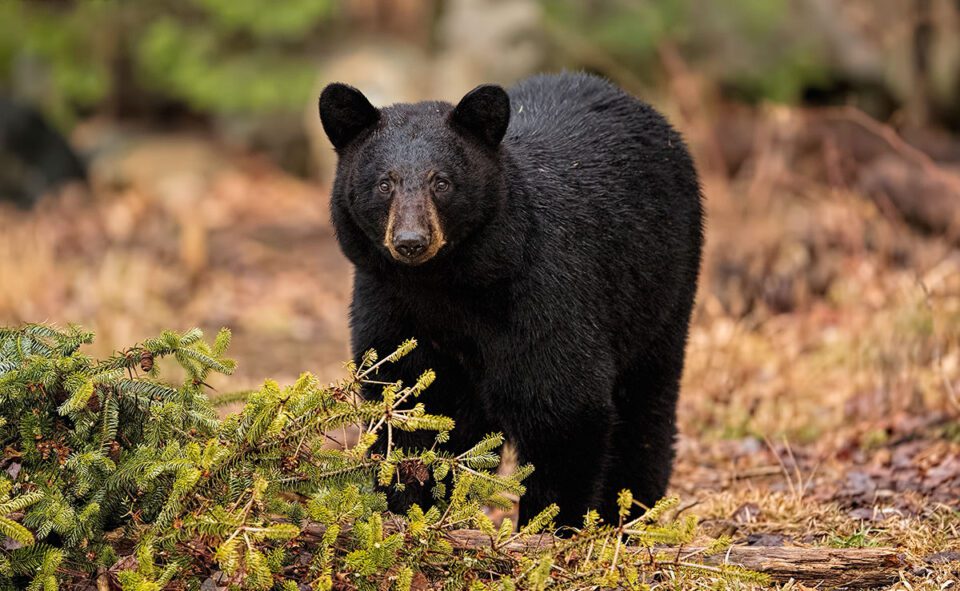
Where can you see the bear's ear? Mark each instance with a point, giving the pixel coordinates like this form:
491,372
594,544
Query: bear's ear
345,113
484,113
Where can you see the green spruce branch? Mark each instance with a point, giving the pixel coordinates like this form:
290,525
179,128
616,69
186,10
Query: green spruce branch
114,477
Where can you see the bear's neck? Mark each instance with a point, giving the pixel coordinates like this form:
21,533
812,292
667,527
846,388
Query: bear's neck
501,248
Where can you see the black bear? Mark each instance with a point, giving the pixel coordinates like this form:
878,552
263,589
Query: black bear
542,244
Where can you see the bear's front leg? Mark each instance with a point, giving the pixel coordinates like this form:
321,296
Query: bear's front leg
564,427
452,395
415,485
571,463
378,323
449,384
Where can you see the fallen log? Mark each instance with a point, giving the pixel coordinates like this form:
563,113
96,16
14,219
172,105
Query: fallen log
834,568
849,568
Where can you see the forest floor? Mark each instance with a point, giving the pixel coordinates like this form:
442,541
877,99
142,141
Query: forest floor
820,403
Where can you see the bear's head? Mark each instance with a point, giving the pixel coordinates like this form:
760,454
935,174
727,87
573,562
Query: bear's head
414,180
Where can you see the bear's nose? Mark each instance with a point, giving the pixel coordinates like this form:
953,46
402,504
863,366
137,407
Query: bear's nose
410,244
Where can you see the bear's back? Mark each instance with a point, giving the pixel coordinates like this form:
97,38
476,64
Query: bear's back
587,150
580,111
586,134
614,191
556,104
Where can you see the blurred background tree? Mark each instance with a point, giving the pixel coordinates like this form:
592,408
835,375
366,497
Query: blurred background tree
247,57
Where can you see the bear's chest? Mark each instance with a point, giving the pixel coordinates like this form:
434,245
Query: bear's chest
463,326
448,317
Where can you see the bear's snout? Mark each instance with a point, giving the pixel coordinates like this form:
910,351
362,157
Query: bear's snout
414,233
410,244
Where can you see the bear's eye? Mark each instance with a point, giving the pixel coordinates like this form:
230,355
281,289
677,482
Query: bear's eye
384,186
441,185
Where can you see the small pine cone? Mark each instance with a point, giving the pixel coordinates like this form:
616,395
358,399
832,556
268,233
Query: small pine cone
114,450
413,471
146,361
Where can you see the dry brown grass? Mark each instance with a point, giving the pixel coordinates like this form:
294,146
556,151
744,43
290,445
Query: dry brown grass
243,246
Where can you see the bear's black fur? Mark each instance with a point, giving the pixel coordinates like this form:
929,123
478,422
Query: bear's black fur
565,223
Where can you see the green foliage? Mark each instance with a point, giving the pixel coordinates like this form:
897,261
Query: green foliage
63,53
292,19
188,62
858,539
111,473
89,441
750,46
244,57
219,56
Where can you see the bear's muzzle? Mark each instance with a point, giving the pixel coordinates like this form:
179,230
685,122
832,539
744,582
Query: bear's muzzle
414,234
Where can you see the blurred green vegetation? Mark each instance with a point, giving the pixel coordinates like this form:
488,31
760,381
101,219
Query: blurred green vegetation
752,47
217,56
240,57
58,57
